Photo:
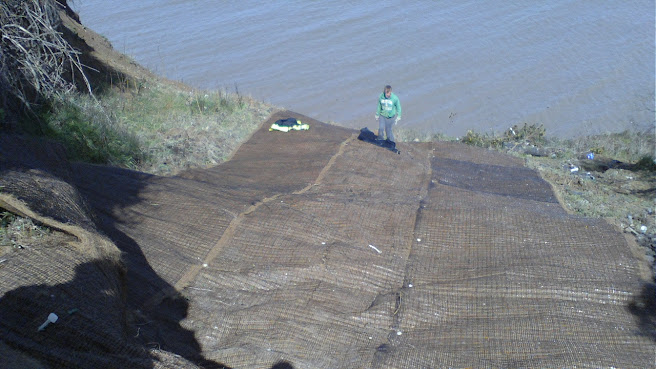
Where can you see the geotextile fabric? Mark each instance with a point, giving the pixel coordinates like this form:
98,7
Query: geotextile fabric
76,274
323,251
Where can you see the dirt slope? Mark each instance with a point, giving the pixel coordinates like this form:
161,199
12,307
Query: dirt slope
320,250
105,64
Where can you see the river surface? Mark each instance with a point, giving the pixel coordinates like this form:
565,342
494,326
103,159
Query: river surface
576,66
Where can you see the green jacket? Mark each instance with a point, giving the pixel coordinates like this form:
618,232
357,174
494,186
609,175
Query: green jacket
388,107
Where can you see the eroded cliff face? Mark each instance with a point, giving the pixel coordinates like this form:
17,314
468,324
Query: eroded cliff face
104,64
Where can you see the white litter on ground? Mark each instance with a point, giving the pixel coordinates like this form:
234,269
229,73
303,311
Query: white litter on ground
375,248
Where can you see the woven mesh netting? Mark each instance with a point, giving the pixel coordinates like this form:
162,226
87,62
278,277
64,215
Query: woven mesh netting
318,250
76,273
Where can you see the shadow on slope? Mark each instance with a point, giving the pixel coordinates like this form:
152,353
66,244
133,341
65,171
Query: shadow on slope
96,296
166,226
643,308
90,332
154,308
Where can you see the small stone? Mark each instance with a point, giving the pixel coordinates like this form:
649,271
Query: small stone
398,333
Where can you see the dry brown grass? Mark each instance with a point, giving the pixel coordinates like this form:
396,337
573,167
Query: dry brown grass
19,233
173,129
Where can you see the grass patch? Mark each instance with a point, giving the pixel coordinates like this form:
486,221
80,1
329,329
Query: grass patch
92,134
516,136
183,129
154,128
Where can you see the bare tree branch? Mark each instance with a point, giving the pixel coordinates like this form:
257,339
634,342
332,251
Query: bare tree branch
35,58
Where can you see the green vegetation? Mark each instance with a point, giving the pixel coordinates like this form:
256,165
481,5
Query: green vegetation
131,122
647,163
91,134
155,128
146,125
630,147
533,134
180,129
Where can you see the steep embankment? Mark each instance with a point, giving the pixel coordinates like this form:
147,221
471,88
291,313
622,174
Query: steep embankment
318,249
311,243
104,63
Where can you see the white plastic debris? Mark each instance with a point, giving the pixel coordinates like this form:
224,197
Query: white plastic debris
205,265
398,333
410,285
52,318
418,239
574,169
643,229
375,248
323,243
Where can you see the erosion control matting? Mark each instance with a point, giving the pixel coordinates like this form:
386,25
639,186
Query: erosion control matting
319,250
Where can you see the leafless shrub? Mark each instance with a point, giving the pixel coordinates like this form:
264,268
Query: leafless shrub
35,58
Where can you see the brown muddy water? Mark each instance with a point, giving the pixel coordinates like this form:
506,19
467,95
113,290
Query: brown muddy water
577,67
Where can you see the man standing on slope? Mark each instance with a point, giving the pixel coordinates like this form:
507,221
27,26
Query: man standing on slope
388,112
